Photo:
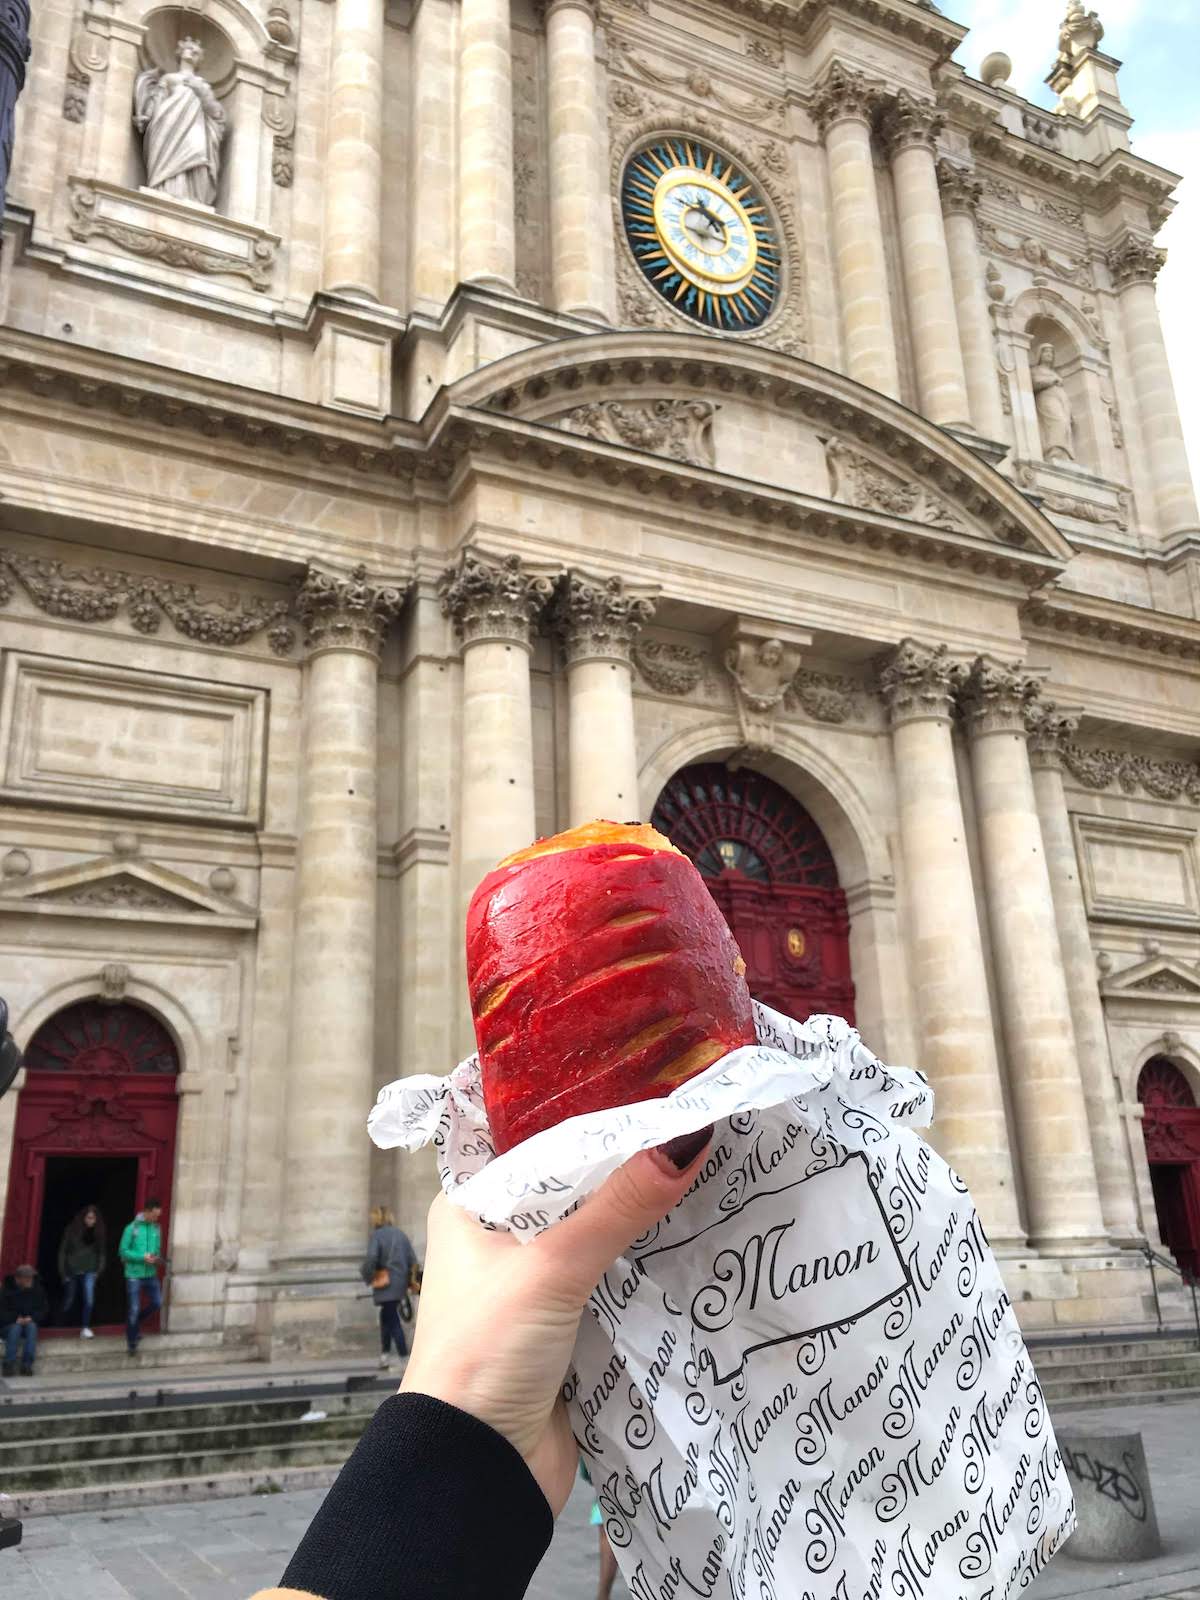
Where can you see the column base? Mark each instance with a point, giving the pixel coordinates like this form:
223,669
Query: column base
1096,1288
317,1313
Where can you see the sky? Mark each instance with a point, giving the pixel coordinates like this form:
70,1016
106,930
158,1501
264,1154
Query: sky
1158,42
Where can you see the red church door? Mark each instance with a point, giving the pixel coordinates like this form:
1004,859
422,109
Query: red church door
95,1125
771,872
1171,1125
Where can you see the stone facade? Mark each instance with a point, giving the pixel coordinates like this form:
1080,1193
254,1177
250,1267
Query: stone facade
383,514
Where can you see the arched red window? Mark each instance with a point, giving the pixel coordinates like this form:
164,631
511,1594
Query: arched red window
771,871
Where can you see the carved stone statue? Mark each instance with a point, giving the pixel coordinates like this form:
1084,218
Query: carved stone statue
182,125
1053,407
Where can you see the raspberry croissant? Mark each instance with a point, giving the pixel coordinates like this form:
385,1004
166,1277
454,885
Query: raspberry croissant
600,972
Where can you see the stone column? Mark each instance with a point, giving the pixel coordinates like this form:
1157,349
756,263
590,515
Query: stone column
494,602
910,128
960,197
432,269
1062,1199
597,622
577,184
957,1043
352,159
331,1056
1052,727
842,108
1134,265
486,230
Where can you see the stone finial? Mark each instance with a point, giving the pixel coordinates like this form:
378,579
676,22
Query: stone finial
1081,30
917,681
598,618
909,123
844,93
493,597
16,864
346,613
1135,260
1050,727
996,696
960,188
996,69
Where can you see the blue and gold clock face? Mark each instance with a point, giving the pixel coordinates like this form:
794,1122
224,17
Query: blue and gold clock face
701,233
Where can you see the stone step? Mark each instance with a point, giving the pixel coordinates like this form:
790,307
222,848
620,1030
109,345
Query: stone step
1139,1398
1129,1366
106,1353
102,1497
16,1458
32,1424
1103,1386
259,1457
1068,1354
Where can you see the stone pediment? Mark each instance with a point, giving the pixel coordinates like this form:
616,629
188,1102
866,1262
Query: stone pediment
1158,978
745,424
138,890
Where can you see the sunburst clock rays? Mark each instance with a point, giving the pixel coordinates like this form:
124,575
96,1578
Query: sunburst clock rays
701,233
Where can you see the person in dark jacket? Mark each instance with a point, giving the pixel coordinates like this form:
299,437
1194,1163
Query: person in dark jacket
388,1250
23,1305
81,1260
454,1486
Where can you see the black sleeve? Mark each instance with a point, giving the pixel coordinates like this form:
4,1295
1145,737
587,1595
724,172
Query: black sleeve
432,1505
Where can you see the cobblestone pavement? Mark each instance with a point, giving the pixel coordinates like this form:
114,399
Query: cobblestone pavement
226,1549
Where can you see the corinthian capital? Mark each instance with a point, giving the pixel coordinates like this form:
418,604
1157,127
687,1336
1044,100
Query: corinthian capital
919,682
598,618
843,93
909,123
1050,728
997,697
346,613
493,597
1135,260
960,189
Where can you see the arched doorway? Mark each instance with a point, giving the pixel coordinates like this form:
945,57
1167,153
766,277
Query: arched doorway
771,872
95,1124
1171,1125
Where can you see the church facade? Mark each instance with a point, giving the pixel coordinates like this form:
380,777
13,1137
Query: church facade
425,425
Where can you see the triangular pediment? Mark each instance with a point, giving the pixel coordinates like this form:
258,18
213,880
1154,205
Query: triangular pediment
1158,978
104,887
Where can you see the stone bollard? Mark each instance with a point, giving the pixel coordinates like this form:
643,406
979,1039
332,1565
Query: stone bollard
1112,1495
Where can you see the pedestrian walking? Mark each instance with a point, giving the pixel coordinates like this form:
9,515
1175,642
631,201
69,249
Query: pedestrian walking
23,1304
81,1260
141,1255
388,1269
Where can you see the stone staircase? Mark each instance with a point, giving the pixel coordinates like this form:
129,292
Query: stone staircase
1102,1369
63,1456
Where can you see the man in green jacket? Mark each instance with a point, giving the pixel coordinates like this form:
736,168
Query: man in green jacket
141,1252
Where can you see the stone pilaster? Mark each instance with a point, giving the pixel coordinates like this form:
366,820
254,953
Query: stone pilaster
353,156
581,277
1062,1198
960,191
330,1070
843,108
957,1042
909,128
494,602
431,246
1134,264
1049,728
486,226
597,621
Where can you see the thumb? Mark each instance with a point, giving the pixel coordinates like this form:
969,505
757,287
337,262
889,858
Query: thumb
625,1206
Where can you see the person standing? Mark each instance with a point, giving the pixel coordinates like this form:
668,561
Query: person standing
81,1260
388,1270
141,1252
23,1305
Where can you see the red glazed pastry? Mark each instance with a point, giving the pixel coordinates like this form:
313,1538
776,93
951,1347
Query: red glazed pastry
601,972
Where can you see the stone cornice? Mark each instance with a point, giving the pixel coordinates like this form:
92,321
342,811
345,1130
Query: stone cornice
902,19
1105,623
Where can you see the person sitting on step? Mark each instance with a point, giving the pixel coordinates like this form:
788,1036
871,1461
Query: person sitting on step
23,1305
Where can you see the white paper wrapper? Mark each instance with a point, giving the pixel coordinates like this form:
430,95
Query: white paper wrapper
806,1383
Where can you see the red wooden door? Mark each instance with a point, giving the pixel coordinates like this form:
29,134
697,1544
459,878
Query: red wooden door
1171,1126
771,872
100,1087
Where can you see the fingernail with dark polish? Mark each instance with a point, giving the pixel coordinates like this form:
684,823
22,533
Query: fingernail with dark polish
683,1151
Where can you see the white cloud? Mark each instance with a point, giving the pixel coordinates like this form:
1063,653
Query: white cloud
1027,32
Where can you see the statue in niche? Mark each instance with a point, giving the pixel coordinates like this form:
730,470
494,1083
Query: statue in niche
182,125
1053,407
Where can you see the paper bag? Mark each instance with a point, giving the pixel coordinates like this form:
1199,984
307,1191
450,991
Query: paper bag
806,1382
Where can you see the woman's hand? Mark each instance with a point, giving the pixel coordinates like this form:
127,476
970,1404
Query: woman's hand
498,1318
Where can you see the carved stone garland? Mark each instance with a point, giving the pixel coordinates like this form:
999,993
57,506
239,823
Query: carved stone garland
680,429
1133,774
99,594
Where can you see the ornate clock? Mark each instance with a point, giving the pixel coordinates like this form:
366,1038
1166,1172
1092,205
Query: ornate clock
701,233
